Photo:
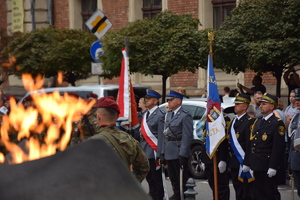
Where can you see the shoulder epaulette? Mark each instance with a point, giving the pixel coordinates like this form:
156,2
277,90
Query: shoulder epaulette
163,112
185,111
279,119
249,118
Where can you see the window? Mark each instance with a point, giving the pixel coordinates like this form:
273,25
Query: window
151,8
222,9
88,7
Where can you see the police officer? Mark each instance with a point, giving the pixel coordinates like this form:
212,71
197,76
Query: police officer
152,124
238,133
265,150
176,141
294,156
125,145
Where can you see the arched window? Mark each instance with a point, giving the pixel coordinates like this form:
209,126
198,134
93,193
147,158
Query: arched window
151,8
222,9
88,7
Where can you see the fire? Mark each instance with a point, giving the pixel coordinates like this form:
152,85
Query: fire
46,127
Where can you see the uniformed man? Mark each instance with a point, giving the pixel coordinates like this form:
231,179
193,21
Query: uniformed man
125,145
222,159
152,125
294,155
176,141
89,123
265,150
239,133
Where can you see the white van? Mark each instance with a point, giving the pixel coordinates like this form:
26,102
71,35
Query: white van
100,90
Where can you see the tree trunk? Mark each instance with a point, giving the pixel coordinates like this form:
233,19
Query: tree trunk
164,88
278,75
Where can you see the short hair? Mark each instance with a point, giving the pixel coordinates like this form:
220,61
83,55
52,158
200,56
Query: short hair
258,78
258,92
108,113
251,109
227,89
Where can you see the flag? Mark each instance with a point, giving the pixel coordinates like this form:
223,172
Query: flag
215,123
128,117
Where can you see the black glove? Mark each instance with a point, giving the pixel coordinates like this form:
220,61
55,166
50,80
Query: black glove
183,161
162,159
289,169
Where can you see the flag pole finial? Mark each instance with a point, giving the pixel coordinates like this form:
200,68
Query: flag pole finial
211,37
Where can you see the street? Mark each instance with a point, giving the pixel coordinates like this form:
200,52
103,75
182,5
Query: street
205,193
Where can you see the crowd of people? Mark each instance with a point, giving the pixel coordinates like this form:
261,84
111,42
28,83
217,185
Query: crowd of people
253,151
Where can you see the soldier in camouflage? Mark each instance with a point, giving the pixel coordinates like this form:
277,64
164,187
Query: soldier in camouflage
125,145
88,125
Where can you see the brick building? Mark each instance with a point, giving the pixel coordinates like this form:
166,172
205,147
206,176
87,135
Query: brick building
73,14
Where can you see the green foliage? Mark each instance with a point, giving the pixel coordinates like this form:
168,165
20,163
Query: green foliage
48,50
163,46
261,35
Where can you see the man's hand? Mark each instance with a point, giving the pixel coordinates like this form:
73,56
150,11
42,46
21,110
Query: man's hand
222,166
202,166
246,168
161,160
271,172
183,161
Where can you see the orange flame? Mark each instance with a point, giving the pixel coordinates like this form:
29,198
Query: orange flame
47,125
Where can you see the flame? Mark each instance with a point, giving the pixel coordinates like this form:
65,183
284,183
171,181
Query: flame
47,126
12,60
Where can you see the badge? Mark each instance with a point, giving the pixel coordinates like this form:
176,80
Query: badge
281,130
264,137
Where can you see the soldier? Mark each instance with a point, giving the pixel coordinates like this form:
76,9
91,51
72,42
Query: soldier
176,141
265,150
123,144
238,133
89,122
152,125
294,156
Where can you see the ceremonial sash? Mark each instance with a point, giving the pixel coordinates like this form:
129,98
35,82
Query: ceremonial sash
148,135
240,155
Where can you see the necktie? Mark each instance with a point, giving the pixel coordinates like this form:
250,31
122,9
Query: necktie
147,115
172,115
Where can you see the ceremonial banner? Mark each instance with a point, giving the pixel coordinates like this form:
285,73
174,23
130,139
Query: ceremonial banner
128,117
215,123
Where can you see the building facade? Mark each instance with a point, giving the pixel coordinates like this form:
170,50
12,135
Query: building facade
26,15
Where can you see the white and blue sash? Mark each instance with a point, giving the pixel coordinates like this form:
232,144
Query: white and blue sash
240,155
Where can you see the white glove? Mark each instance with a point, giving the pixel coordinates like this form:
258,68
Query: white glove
222,166
271,172
246,168
202,166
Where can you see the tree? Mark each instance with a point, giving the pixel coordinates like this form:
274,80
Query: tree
260,35
47,51
163,46
5,65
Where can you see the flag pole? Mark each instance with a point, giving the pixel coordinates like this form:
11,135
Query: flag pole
127,55
211,39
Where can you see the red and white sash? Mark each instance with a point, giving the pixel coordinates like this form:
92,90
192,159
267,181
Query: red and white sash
148,135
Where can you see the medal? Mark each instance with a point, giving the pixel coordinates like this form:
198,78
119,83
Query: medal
264,137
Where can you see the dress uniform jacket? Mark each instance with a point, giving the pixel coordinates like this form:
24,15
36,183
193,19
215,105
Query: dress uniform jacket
155,123
294,156
242,131
267,144
178,135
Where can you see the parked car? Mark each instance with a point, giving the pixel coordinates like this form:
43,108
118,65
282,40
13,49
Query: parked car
197,108
100,90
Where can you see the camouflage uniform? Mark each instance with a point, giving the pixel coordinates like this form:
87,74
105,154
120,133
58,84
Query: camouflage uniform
85,128
135,154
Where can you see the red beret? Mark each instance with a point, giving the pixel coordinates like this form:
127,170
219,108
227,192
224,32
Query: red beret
28,98
107,102
93,95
